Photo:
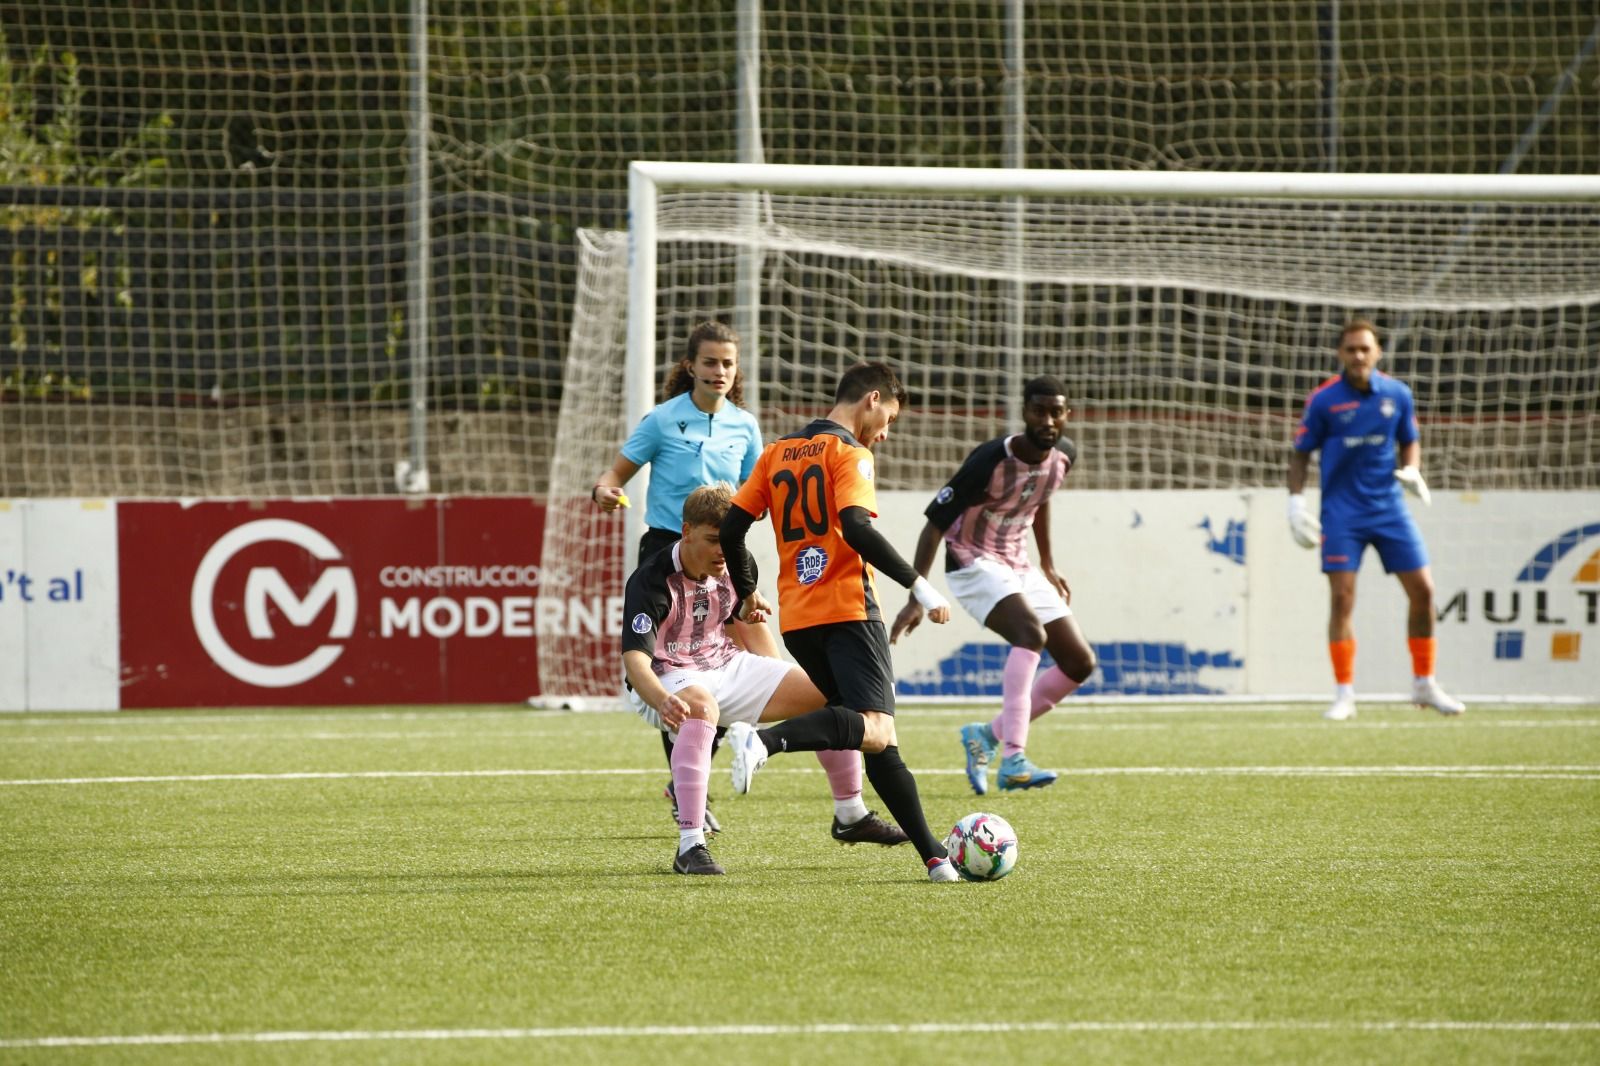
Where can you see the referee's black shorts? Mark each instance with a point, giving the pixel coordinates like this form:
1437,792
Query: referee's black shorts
848,661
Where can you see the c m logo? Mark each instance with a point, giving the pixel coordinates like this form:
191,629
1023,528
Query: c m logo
336,583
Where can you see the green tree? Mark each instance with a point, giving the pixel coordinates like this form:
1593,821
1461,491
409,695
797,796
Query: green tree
53,278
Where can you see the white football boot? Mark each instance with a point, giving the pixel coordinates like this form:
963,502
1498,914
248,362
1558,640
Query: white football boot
1343,707
749,755
1425,692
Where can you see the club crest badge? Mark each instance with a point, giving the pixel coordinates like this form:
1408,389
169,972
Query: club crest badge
809,565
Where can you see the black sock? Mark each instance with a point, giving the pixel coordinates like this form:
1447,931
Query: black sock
829,729
666,746
716,741
892,780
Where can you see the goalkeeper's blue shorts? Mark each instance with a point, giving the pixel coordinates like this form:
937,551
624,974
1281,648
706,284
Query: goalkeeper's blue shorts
1394,535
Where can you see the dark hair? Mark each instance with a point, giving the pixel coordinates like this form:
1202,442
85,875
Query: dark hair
869,377
1043,385
1357,324
681,378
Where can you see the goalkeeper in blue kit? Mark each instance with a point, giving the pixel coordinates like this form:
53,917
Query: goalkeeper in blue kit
1364,425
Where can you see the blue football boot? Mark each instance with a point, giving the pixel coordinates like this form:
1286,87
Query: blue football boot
980,743
1017,772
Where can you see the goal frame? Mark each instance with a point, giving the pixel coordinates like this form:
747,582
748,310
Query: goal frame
647,179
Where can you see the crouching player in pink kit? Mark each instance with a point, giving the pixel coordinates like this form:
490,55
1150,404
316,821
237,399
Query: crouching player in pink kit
983,515
685,674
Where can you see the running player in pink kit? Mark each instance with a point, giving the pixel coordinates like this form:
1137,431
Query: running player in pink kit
685,674
983,515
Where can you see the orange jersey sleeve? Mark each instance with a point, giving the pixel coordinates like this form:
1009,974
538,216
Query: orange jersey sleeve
804,481
754,496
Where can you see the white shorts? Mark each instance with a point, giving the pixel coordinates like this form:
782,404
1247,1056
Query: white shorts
742,689
988,581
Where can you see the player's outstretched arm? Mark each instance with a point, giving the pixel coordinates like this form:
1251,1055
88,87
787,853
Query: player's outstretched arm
1303,525
751,632
636,666
910,615
607,491
1047,560
855,523
741,565
1409,473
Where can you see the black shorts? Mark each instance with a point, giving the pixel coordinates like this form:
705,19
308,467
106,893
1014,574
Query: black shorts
655,539
848,661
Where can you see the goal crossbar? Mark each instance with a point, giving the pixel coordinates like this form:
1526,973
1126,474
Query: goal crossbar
779,177
648,180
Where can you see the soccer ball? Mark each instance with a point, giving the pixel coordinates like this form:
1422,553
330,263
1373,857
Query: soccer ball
983,847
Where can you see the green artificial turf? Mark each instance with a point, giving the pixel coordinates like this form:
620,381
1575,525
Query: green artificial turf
1193,889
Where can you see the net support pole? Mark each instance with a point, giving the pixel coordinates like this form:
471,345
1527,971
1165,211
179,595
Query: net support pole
1328,19
639,373
411,474
747,280
1016,159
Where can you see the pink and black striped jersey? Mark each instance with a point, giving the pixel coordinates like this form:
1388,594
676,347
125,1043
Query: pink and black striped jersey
988,507
675,619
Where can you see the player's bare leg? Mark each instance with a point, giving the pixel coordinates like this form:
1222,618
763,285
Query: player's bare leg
1425,691
1342,644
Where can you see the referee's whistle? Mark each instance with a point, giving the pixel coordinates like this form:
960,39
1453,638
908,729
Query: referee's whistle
622,499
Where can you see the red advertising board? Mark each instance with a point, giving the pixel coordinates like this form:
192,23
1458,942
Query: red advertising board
351,601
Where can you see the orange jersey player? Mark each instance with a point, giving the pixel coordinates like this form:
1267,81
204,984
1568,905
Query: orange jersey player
817,486
805,481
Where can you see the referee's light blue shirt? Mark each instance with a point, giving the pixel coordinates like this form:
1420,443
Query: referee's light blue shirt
687,448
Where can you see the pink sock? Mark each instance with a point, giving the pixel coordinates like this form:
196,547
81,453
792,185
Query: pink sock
1011,726
691,771
1049,689
844,772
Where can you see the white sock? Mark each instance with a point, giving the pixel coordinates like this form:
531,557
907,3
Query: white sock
688,838
1344,692
849,811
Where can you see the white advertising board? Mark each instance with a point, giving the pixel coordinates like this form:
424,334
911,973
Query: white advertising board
1203,593
1183,594
58,605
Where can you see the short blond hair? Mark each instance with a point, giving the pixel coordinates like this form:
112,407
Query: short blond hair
708,505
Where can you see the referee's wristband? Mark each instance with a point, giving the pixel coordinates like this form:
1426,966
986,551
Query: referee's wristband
592,497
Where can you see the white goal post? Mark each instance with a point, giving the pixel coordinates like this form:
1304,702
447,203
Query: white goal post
1189,313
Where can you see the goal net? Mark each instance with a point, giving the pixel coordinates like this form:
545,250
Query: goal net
1188,314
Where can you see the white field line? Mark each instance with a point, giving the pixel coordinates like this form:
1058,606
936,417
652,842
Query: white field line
290,734
287,715
914,709
1552,773
821,1029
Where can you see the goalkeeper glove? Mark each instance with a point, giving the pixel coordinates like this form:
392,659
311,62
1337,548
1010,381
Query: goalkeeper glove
1303,525
1410,479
